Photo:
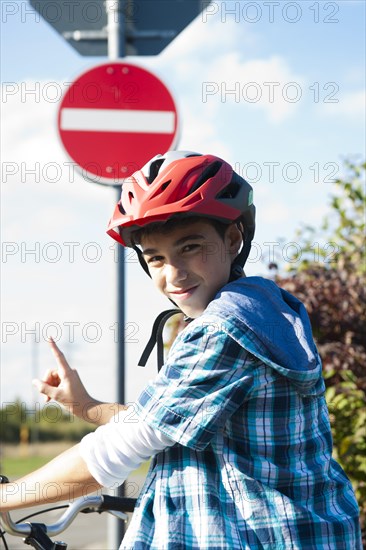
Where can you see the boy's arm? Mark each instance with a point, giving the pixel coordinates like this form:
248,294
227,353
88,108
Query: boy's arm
63,384
64,478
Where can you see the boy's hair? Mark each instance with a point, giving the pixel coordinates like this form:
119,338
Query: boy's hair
176,222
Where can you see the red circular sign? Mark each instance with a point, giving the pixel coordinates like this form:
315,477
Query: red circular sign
114,118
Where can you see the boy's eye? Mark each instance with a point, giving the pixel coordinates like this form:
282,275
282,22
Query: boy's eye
154,259
189,247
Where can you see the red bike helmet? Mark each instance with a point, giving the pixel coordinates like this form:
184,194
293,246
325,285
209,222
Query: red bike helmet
183,184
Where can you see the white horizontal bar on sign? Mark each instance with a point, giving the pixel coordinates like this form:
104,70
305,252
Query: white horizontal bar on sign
117,120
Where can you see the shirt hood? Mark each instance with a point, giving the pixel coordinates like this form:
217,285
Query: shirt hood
272,325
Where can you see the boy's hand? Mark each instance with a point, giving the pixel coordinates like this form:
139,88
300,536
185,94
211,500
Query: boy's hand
63,384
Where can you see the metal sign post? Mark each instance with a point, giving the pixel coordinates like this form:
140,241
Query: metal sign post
115,28
116,528
116,40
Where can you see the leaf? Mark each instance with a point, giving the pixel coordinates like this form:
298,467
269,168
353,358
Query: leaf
344,446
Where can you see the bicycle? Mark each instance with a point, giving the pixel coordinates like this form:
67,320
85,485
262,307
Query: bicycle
38,535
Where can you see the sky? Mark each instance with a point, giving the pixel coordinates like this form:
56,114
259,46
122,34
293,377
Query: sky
275,88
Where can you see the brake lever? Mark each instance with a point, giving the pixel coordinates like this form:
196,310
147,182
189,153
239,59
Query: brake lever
116,513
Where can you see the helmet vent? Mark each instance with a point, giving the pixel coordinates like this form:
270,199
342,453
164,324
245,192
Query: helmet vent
131,196
161,189
154,170
165,185
209,172
121,209
230,191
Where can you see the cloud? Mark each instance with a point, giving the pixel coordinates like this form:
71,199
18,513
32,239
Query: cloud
200,36
273,212
352,104
225,72
267,85
263,84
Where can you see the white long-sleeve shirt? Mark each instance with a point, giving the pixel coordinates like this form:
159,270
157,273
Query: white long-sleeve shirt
117,448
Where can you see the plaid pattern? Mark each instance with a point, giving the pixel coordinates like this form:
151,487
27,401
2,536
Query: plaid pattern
251,467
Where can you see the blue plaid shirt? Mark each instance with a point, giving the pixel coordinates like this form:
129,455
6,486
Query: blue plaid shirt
242,396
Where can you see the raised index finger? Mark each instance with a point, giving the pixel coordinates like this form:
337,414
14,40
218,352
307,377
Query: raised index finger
60,358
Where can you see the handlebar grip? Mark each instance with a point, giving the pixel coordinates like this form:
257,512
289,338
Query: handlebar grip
120,504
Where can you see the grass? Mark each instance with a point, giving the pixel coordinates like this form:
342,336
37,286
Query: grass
18,467
14,467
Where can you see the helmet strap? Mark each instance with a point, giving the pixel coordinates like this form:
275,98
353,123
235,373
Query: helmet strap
141,260
239,262
156,338
236,272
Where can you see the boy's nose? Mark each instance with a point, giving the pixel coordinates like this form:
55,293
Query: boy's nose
175,273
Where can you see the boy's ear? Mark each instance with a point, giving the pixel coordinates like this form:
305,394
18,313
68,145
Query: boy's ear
235,238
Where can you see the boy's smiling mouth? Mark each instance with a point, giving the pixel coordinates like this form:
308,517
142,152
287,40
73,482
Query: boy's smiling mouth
183,293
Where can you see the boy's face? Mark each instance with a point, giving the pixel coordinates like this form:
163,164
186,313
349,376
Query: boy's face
191,263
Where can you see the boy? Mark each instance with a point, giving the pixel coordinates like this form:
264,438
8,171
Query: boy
236,420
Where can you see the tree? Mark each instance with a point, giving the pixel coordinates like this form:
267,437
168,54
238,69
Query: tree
339,243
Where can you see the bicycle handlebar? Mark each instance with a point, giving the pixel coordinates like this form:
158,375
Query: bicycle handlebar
84,504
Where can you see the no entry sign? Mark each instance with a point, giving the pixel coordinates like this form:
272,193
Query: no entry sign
114,118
